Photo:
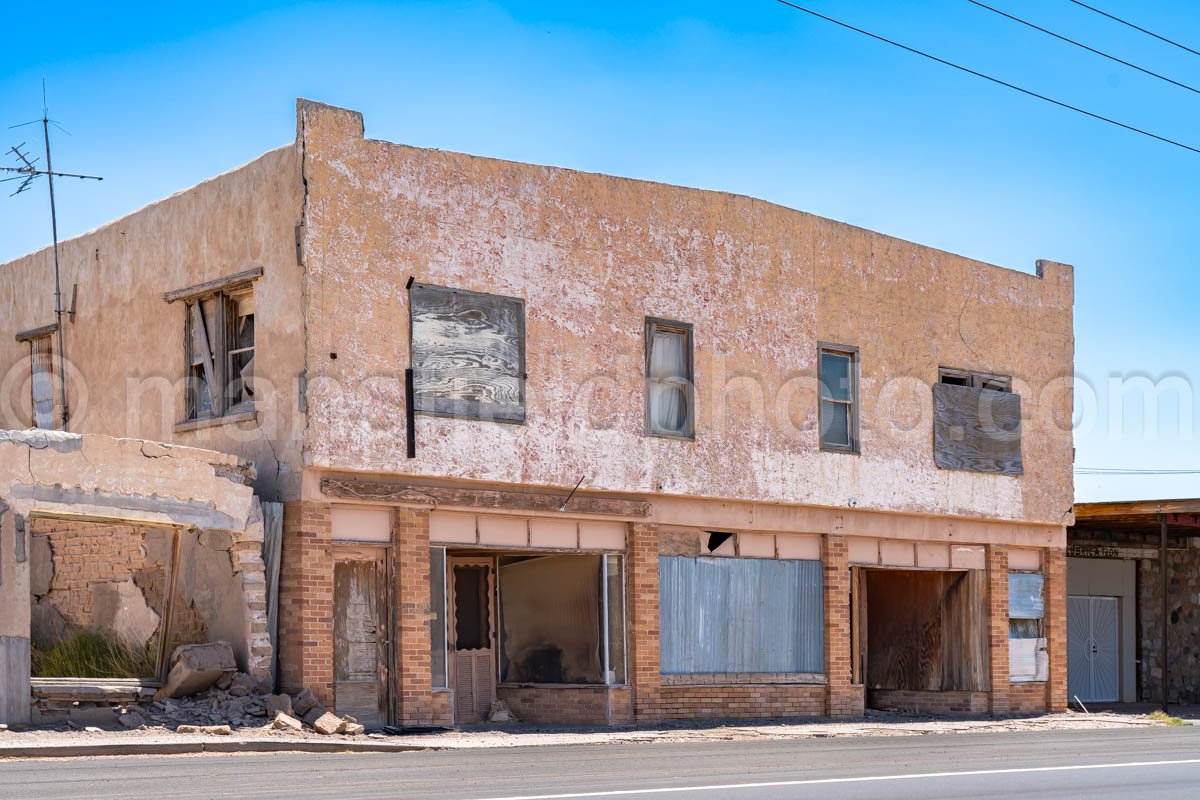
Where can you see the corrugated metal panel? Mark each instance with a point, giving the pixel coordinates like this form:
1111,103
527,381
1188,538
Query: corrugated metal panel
1025,595
740,615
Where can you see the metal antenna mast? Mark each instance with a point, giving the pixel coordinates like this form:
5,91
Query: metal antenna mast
27,173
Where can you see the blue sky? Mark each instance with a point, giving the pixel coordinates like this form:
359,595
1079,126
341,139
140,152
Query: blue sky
749,97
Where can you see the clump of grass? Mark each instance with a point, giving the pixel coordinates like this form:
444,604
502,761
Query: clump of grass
88,654
1165,718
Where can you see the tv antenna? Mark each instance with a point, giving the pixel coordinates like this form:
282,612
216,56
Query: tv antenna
28,172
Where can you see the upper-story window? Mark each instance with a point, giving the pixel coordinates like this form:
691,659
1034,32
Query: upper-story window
976,422
45,411
218,346
468,353
838,412
670,387
220,354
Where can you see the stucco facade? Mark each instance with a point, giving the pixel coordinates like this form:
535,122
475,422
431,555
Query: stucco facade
339,225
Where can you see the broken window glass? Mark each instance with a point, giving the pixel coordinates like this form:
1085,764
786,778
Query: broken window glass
1026,605
552,620
241,350
220,353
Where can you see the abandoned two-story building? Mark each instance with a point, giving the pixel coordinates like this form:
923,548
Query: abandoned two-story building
604,449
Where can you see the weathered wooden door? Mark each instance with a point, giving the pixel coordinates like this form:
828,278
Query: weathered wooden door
360,641
472,637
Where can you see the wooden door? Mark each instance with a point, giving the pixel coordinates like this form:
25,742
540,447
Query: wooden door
472,637
360,641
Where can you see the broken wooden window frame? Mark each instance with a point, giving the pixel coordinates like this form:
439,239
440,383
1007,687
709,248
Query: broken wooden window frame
685,384
827,398
209,349
976,380
432,400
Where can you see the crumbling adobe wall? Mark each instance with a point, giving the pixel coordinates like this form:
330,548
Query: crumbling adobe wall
47,475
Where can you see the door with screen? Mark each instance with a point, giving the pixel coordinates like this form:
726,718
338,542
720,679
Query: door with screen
1092,649
472,637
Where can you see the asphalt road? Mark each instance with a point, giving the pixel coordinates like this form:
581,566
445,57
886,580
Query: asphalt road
1159,763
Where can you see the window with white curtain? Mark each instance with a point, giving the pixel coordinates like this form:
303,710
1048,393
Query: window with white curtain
670,392
42,385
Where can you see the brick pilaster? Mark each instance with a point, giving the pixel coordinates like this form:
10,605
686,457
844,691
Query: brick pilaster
413,641
306,600
842,697
997,568
645,672
1054,567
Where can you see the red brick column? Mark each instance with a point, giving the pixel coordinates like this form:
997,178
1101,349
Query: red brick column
842,697
645,674
414,684
1054,567
306,600
997,567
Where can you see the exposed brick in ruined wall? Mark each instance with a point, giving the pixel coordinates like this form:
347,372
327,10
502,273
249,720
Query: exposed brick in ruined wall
306,600
997,567
442,705
574,705
737,702
843,698
1054,566
1027,698
641,576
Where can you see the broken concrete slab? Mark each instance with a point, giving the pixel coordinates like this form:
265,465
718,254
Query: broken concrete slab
214,730
286,722
328,724
131,720
312,715
242,685
353,729
279,703
196,667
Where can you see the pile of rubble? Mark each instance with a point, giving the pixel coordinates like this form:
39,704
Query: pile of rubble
235,701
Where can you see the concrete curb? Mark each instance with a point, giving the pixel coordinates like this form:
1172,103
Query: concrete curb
194,747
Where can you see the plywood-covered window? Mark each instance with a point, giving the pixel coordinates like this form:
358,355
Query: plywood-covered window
670,386
976,423
740,615
219,352
838,412
42,382
468,353
1027,642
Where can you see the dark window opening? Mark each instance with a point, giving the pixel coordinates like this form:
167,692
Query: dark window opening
471,608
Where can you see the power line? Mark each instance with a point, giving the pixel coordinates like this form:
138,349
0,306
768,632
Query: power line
977,74
1084,46
1136,27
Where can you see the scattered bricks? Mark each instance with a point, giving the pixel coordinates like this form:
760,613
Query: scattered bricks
305,701
279,703
286,722
242,685
329,724
195,668
353,729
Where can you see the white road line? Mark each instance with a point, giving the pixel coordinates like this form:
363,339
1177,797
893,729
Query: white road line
867,779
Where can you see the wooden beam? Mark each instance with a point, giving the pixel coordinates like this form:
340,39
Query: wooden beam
1149,508
33,333
215,285
500,499
1166,628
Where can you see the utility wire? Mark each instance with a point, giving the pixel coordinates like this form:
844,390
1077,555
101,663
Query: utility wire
1132,471
1115,18
977,74
1084,46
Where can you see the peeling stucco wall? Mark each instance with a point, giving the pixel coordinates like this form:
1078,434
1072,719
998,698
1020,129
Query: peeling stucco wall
592,255
125,347
63,476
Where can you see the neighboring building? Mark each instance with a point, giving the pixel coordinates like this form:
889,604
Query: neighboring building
1116,626
813,463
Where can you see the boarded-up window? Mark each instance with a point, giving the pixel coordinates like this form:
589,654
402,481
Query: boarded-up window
838,413
1027,643
977,429
42,388
240,354
670,389
719,615
468,353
